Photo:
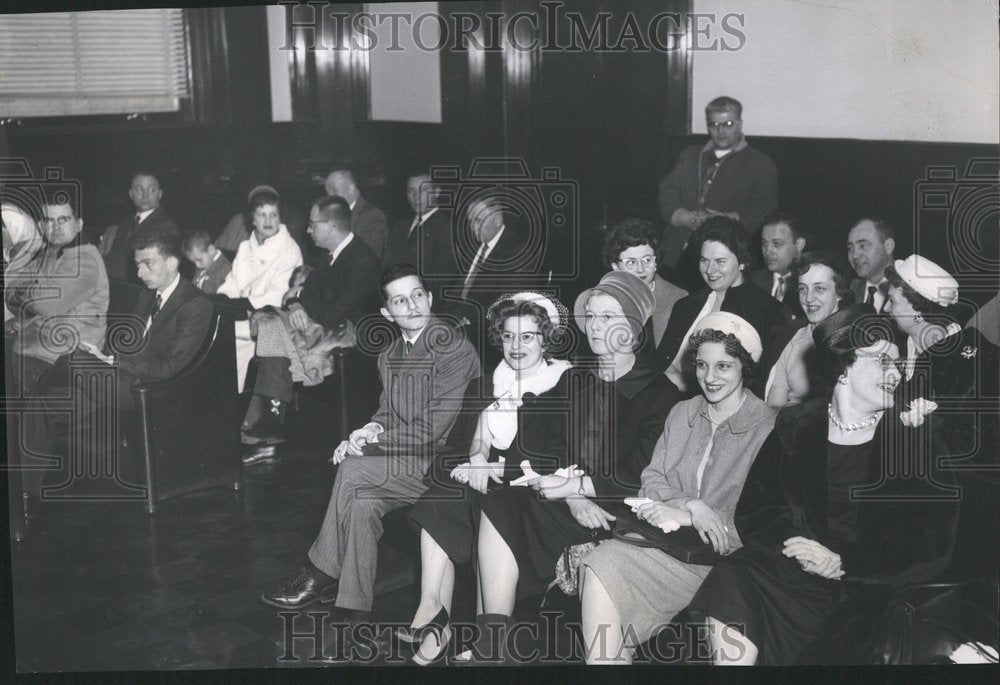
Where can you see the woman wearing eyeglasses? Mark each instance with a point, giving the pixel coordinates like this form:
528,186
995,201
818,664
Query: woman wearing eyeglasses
833,515
527,327
631,246
616,418
725,256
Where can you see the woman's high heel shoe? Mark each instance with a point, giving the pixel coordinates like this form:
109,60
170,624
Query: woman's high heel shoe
440,628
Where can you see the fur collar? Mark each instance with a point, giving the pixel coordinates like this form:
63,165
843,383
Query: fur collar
505,381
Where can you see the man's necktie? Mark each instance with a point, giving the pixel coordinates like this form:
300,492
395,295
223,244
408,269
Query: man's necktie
156,308
476,263
779,290
415,226
407,347
871,295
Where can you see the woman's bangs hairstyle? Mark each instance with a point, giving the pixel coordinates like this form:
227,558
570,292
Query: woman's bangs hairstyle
840,336
508,308
729,342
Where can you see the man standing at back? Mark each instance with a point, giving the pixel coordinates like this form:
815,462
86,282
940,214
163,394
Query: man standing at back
870,244
118,240
424,373
724,176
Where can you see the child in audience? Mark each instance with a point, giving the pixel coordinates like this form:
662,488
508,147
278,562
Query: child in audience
212,266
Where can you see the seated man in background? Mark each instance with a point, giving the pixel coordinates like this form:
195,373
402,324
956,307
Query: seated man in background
424,376
64,285
782,242
315,317
367,221
490,253
172,320
118,240
417,239
212,266
870,247
725,176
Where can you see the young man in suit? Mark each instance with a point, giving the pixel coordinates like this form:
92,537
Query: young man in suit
367,221
382,465
171,321
336,294
782,242
118,240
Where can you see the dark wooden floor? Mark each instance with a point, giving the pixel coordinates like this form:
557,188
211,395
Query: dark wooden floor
105,586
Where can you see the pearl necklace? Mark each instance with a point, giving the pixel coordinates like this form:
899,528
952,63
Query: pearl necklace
863,423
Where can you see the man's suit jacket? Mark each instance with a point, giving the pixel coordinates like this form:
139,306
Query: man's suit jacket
215,274
423,246
347,289
369,223
791,308
422,391
173,339
500,272
117,243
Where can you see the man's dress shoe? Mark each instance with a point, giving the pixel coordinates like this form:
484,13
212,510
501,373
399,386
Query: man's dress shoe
304,590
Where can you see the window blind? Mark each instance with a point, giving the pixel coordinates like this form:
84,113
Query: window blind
85,63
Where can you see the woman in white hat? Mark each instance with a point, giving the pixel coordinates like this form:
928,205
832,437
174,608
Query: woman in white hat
694,479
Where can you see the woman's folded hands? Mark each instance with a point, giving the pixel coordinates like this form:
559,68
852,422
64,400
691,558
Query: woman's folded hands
814,557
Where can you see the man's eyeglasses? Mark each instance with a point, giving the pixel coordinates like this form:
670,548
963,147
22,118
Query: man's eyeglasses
716,125
526,337
57,221
632,263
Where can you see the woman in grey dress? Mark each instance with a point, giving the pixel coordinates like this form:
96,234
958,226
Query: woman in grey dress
694,479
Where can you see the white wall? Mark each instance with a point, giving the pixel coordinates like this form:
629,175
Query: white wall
405,85
923,70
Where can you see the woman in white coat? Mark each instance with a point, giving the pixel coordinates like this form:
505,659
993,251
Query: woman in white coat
261,270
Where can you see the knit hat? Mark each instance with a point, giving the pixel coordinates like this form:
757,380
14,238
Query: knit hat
740,328
634,296
928,279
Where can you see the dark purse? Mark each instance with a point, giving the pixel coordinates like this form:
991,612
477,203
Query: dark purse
683,544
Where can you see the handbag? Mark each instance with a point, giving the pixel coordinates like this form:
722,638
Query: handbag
683,544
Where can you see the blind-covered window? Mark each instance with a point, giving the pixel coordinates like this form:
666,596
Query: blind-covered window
80,63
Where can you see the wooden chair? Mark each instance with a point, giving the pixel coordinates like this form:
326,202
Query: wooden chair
188,426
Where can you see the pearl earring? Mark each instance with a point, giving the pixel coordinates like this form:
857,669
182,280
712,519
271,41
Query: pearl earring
843,379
